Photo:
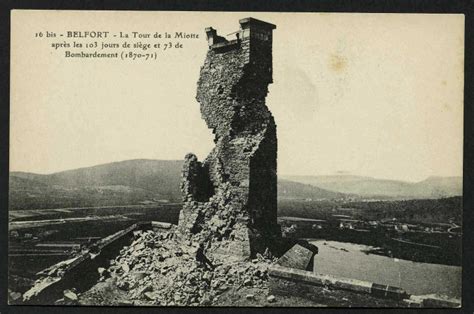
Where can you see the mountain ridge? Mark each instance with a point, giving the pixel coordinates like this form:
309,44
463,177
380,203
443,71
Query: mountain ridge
431,187
137,180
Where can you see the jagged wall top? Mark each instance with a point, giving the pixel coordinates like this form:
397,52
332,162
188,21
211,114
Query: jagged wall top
249,28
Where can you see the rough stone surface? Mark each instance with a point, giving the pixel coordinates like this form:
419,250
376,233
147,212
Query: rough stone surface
297,257
230,199
157,269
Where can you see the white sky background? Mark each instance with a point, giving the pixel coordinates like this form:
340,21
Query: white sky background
369,94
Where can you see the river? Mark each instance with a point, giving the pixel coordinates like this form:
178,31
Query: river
349,260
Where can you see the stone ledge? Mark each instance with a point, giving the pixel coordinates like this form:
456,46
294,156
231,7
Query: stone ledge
431,301
53,280
284,280
354,285
310,278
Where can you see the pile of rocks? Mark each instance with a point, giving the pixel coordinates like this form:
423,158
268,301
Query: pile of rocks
158,269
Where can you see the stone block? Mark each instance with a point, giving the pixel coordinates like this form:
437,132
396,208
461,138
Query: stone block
385,291
161,225
433,302
297,257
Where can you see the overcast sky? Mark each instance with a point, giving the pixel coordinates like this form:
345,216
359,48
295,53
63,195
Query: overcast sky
366,94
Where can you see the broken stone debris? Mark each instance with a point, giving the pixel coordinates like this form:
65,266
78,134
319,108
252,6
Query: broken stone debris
70,295
14,296
101,271
230,199
170,274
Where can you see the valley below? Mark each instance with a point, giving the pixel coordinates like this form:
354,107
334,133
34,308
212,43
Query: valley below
388,239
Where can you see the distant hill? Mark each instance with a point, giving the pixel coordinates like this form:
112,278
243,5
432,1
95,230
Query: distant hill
155,175
432,187
118,183
135,181
121,183
440,186
23,183
288,190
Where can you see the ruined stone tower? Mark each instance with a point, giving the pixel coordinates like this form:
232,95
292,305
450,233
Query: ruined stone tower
230,199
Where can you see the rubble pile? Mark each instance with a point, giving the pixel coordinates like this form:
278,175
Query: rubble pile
159,269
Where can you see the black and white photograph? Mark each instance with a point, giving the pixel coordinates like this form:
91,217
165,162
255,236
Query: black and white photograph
235,159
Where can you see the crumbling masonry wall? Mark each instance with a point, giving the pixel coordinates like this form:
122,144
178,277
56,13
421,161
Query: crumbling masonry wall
230,199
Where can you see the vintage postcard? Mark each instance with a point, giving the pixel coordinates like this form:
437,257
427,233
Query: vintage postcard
236,159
